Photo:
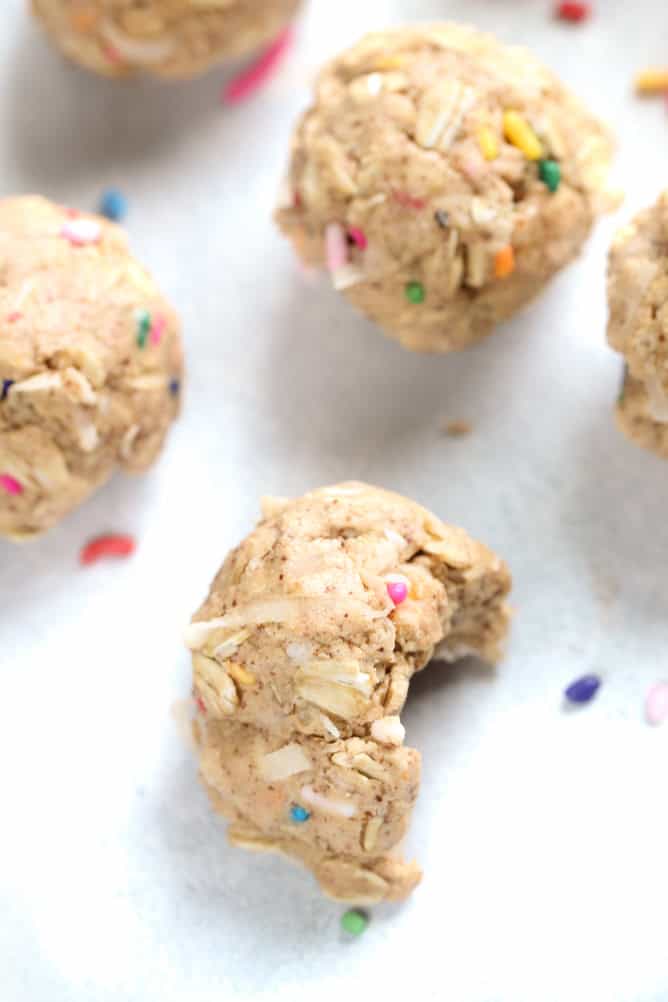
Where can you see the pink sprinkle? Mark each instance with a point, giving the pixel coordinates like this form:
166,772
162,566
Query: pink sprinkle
358,237
80,232
397,590
336,247
112,54
157,328
408,201
200,704
10,484
656,704
250,80
13,317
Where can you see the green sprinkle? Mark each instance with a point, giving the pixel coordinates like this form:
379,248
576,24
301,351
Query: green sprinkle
549,172
143,327
414,292
354,922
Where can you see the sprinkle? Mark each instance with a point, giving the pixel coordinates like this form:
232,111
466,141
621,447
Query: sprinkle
10,484
200,704
583,689
13,317
143,327
487,143
251,80
518,132
80,232
652,81
397,588
174,387
442,217
374,83
408,201
336,249
656,704
158,327
328,805
549,172
354,921
414,292
113,205
504,262
107,546
5,387
358,237
572,11
299,813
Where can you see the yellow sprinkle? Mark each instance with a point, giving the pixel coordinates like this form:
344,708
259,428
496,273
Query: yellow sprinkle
240,674
518,132
389,62
487,142
652,82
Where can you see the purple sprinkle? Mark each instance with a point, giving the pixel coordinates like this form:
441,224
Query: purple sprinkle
6,383
582,690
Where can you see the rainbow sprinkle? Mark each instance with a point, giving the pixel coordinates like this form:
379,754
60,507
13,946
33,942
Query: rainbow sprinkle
251,79
143,327
5,387
10,484
81,232
158,327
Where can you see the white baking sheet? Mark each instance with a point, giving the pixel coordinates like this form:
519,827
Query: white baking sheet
543,835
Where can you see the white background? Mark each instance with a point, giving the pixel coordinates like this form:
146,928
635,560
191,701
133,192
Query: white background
543,834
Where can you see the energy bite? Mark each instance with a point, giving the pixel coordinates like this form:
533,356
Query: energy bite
168,38
302,657
638,325
90,362
442,178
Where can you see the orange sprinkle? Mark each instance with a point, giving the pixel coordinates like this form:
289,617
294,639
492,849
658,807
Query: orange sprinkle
84,20
652,81
504,262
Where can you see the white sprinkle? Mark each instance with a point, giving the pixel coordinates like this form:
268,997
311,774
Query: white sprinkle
374,84
80,232
342,808
347,276
394,537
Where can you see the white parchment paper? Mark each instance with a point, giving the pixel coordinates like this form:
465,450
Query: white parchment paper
543,835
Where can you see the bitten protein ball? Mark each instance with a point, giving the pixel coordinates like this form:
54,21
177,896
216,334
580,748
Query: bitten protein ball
169,38
638,325
442,178
302,657
90,362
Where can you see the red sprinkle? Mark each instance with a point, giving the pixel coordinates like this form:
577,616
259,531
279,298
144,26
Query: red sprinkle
251,79
107,546
573,11
408,201
13,317
200,704
358,237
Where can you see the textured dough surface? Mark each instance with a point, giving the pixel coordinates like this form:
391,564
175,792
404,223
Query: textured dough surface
79,396
169,38
638,324
301,668
396,134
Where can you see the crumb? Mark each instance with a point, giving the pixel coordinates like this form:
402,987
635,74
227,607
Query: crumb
456,429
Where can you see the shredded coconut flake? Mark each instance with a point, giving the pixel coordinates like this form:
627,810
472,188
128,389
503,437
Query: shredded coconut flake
341,808
285,762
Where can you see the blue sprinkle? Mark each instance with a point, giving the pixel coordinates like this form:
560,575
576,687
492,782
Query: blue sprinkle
113,205
6,383
583,689
299,813
174,387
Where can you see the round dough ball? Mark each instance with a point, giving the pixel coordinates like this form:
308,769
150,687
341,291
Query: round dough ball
638,325
169,38
302,656
443,178
90,362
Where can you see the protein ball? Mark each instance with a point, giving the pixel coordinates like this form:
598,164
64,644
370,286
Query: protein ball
90,362
638,325
168,38
443,178
303,654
